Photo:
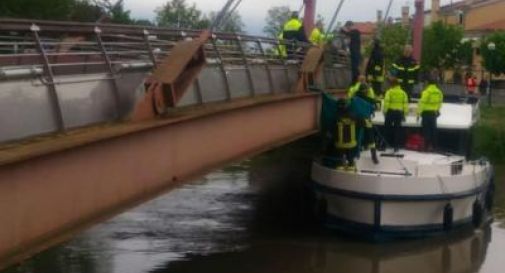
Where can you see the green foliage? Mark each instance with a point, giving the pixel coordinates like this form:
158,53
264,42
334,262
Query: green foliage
489,134
442,47
178,14
36,9
494,60
233,22
115,11
76,10
275,20
393,38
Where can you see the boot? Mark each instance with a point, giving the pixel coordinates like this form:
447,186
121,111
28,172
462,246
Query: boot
375,160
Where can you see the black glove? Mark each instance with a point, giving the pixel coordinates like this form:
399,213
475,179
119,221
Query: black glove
437,114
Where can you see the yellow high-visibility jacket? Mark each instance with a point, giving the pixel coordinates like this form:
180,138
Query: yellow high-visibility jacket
317,37
293,25
431,99
355,88
396,99
281,50
345,137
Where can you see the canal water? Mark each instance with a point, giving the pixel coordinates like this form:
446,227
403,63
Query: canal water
250,217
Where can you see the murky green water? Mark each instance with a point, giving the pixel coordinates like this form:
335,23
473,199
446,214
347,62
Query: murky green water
248,218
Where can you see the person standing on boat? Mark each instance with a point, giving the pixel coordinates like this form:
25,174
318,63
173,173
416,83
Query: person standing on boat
367,94
406,70
375,68
345,137
429,110
396,108
360,80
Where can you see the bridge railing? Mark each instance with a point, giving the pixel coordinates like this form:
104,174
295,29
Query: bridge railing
55,76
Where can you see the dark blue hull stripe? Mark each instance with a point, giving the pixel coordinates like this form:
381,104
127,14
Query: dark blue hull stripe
385,232
395,197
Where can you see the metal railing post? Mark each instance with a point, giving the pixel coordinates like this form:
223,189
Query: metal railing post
110,68
247,67
221,67
267,67
51,85
149,48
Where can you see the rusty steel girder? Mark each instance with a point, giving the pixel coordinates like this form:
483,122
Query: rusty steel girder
52,188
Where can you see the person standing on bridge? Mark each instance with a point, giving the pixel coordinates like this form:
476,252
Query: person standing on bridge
396,108
293,32
317,37
354,47
406,70
429,110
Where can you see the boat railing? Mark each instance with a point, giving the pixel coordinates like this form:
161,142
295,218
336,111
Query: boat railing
411,169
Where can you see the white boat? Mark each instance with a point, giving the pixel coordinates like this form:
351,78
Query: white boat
409,193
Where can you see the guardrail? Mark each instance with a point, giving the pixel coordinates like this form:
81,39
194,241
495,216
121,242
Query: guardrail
55,76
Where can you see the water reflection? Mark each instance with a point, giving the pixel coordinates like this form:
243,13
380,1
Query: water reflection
456,253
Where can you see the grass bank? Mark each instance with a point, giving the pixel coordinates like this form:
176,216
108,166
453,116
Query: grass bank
489,134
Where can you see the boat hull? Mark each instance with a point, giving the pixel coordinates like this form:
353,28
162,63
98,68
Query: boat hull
383,207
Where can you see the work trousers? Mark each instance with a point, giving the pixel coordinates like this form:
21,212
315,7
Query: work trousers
377,88
429,128
355,63
393,126
409,89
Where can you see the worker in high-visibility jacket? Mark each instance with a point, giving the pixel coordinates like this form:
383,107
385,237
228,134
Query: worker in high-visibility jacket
396,108
406,70
429,110
293,32
345,137
366,93
317,37
361,80
375,68
281,50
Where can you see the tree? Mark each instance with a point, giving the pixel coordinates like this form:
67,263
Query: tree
494,60
276,18
178,14
36,9
442,47
115,12
233,22
76,10
85,11
393,38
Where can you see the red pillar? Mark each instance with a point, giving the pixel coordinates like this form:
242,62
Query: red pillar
418,29
309,16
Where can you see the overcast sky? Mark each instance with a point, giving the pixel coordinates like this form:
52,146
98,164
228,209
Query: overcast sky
254,11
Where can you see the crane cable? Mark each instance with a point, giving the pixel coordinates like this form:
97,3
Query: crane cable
220,16
334,18
229,14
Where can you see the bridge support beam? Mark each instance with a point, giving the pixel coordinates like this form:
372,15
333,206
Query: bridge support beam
49,191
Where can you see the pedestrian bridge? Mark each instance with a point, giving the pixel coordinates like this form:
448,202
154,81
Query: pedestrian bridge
98,118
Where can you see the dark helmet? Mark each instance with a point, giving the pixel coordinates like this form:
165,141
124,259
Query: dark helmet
294,14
